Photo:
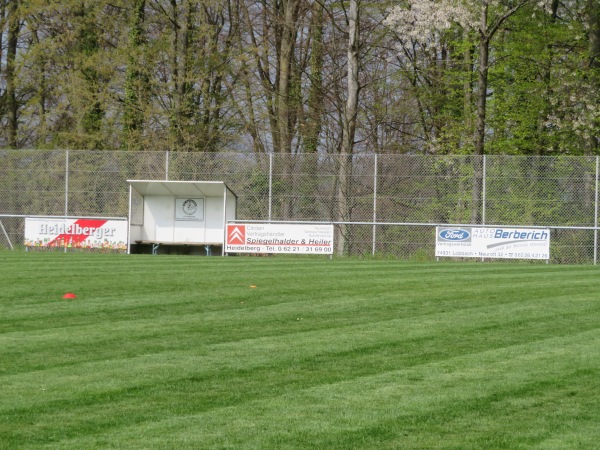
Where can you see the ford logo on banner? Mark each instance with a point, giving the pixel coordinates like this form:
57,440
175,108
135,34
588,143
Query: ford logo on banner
455,235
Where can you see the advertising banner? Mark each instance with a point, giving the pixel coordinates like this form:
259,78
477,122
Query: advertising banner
75,233
279,238
509,243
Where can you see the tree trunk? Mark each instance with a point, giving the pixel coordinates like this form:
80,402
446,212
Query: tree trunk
593,13
284,70
284,102
134,81
315,94
2,24
179,65
41,90
468,86
313,122
88,45
348,130
11,54
482,81
594,34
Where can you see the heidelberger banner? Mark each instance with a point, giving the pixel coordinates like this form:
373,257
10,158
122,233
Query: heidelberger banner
75,233
508,243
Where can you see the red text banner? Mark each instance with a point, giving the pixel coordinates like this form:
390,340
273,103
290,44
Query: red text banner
75,233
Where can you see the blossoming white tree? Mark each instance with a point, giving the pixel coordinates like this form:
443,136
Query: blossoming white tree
417,19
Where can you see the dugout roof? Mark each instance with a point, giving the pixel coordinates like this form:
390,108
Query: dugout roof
181,188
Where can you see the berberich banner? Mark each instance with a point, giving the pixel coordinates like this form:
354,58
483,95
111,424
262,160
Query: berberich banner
493,242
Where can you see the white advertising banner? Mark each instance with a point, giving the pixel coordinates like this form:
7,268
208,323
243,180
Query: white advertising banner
75,233
508,243
279,238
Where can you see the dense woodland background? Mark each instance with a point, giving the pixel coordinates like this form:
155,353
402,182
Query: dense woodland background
302,76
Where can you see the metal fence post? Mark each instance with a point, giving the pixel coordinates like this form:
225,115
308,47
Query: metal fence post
66,187
167,165
596,216
374,202
6,236
483,190
66,183
270,183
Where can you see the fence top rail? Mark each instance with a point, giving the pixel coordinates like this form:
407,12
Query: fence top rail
416,224
59,216
317,222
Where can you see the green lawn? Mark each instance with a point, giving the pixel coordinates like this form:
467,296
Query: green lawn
181,352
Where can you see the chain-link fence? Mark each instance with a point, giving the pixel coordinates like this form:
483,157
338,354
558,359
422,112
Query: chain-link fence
381,204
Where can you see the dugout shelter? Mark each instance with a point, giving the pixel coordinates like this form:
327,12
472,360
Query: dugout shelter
179,217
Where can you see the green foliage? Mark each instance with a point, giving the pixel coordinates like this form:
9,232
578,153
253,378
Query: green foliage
203,76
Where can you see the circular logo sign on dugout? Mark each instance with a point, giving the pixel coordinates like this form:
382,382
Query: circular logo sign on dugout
187,208
190,207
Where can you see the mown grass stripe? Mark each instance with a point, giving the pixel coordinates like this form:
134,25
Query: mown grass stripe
180,352
424,403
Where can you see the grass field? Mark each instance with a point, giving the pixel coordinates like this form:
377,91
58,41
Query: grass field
296,353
